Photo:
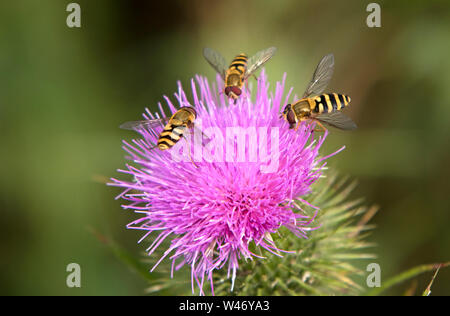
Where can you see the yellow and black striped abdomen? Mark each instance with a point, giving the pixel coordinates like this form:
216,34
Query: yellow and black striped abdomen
170,136
329,102
239,64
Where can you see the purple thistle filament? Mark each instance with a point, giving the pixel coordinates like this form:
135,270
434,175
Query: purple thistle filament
212,211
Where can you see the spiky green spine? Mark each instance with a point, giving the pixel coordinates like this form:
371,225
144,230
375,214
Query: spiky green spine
324,263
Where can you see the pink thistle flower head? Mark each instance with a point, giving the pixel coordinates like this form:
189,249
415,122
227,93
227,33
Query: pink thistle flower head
236,188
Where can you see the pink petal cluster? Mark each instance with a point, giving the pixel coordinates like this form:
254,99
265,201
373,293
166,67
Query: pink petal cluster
214,212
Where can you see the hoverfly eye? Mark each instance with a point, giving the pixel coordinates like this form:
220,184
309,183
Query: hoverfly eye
291,117
236,90
227,90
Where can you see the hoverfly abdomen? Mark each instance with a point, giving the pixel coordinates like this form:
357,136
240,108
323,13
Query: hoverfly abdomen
176,127
329,102
341,100
239,63
170,136
165,143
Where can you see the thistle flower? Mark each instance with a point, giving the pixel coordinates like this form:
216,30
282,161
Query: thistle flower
222,209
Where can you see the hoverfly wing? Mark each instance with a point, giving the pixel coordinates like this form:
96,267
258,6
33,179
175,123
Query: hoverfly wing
216,60
259,59
206,137
138,125
322,76
338,120
194,129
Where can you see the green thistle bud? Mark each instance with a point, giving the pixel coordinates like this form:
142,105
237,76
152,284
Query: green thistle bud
324,264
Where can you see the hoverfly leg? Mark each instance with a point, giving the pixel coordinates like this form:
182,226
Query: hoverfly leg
321,125
190,156
153,147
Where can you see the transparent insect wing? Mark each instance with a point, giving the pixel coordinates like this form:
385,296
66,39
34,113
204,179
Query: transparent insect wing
216,60
321,77
205,136
138,125
194,130
259,59
338,120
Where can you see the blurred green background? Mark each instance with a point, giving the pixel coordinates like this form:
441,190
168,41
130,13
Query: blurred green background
64,92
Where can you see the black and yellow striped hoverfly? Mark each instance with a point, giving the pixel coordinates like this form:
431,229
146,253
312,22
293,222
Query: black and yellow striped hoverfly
239,70
322,108
175,126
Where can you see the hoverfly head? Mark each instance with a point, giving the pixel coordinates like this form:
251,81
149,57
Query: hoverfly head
233,92
236,91
289,116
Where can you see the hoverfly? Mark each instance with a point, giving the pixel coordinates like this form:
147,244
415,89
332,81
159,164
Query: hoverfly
175,128
322,108
239,70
